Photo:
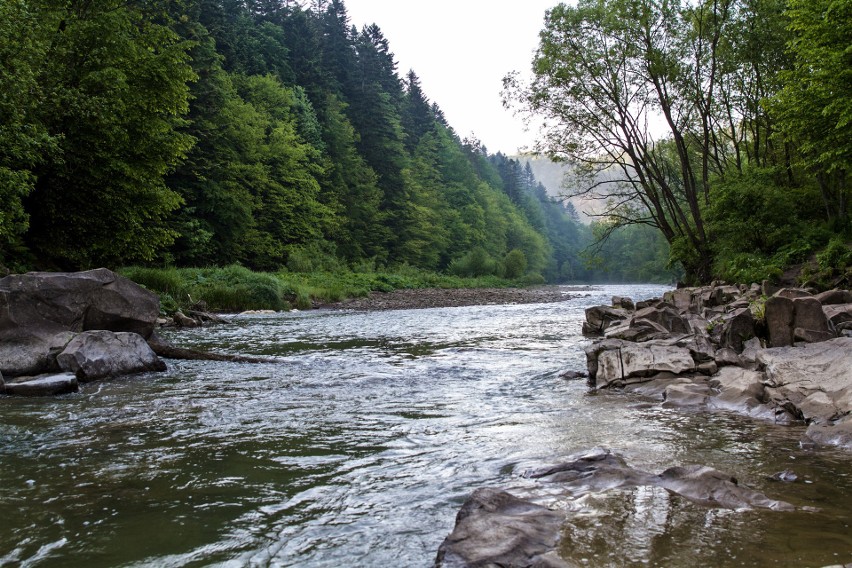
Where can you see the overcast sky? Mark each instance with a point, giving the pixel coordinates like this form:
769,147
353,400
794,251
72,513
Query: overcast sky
461,50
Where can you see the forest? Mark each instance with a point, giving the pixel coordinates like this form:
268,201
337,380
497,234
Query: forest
275,136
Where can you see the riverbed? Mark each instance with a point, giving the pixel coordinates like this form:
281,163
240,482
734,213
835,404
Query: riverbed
358,444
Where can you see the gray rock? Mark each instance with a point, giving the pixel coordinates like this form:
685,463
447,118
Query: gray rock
42,385
97,354
815,378
838,313
727,356
811,336
599,318
837,433
37,306
792,293
808,314
638,361
623,302
742,391
779,313
495,528
835,296
665,316
687,395
736,328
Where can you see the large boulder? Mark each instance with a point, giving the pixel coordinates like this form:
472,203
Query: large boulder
495,528
38,309
97,354
636,362
816,378
599,318
665,316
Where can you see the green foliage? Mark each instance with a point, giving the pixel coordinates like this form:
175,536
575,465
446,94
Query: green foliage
477,262
515,264
837,255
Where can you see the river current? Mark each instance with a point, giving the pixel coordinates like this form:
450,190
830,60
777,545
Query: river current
358,445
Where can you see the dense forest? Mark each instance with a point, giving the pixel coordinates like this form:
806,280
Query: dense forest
277,136
265,134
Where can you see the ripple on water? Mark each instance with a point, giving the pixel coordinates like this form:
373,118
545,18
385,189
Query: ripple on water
357,445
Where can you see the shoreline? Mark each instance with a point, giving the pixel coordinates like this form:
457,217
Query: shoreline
423,298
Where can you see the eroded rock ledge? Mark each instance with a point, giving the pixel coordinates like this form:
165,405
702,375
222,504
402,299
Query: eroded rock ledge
784,358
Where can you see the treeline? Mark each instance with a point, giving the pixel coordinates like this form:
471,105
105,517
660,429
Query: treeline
725,125
259,133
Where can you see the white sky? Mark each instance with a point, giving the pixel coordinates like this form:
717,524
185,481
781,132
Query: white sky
461,50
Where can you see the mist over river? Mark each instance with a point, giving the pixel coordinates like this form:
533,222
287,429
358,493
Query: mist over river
358,445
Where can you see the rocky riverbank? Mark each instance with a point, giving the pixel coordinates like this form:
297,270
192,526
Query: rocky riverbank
783,356
453,297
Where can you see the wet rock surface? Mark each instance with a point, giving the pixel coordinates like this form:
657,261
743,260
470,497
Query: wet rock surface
497,528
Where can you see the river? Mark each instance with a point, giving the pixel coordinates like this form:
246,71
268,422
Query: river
359,444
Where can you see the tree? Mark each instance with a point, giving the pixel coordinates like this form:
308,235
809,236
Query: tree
605,72
115,90
814,106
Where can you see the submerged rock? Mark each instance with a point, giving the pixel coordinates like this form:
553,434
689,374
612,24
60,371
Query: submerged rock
496,528
42,385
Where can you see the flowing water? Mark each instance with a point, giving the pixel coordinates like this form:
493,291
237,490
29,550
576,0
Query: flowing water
357,446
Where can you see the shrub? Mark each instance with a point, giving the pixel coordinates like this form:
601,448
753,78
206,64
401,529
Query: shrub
514,264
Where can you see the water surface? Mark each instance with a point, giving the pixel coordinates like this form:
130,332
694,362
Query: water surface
357,446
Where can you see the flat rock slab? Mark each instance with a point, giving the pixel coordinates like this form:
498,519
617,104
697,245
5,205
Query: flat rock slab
496,528
43,385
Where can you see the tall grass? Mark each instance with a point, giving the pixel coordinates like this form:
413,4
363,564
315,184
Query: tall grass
236,289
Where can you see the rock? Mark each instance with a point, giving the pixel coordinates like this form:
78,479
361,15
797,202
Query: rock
97,354
573,375
495,528
664,315
623,302
808,314
712,488
42,385
838,313
792,293
815,378
787,476
599,318
837,433
811,336
832,297
736,328
779,321
638,361
184,321
769,288
686,395
742,391
36,307
727,356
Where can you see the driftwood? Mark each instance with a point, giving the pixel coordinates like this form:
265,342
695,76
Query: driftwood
165,349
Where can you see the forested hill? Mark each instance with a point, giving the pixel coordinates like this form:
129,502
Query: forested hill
211,132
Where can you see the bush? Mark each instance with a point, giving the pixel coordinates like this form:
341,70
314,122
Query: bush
836,256
475,263
514,264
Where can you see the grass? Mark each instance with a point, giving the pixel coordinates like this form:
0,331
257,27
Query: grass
236,289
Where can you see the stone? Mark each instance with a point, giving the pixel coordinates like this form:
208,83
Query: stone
36,307
832,297
811,336
727,356
792,293
42,385
742,391
736,328
686,395
638,361
808,314
599,318
664,315
495,528
837,433
623,302
184,321
98,354
793,374
838,313
681,299
779,312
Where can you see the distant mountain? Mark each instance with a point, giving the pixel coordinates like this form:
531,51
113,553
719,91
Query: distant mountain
552,176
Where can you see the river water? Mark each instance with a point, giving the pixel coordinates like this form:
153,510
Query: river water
357,446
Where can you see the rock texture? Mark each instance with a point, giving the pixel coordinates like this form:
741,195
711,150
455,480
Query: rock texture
95,322
95,355
785,358
496,528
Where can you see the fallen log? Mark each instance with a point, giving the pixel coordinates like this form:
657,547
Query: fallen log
165,349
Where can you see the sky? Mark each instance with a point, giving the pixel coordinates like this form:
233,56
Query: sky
461,50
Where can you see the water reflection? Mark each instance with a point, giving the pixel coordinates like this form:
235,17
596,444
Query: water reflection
357,445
